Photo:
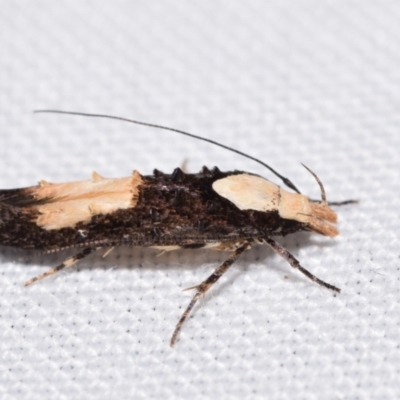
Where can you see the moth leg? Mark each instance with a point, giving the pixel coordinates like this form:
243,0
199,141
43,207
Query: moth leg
108,251
66,264
205,286
296,264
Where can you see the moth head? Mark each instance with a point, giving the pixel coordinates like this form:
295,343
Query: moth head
251,192
318,216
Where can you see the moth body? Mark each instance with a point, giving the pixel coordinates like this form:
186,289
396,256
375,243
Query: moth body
175,210
227,211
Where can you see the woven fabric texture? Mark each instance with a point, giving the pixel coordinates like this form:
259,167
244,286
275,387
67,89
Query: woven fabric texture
316,82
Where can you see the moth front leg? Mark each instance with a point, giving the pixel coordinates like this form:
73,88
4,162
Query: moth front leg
296,264
206,285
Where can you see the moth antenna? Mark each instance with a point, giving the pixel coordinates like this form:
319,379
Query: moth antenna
321,186
286,181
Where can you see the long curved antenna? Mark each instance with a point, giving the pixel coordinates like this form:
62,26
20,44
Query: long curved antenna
321,186
286,181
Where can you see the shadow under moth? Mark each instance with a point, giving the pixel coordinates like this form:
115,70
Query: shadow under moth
226,211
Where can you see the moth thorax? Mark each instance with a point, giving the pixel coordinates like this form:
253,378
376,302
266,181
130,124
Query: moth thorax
316,215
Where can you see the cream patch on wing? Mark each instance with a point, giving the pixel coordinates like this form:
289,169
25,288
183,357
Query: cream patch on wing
249,192
66,204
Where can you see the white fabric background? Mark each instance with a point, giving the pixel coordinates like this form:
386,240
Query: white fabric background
316,82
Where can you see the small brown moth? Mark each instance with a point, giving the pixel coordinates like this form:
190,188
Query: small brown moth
228,211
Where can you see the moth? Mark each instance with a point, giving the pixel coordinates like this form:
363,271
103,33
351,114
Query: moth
225,211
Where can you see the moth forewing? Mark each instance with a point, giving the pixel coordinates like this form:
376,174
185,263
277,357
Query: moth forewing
227,211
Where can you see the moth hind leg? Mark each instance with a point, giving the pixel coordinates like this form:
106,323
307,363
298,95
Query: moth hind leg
296,264
69,262
205,286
